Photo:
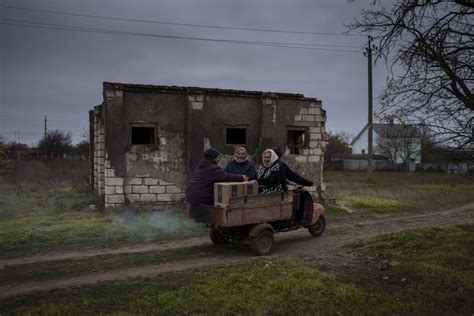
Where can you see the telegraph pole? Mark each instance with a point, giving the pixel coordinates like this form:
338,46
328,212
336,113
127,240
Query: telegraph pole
44,140
368,53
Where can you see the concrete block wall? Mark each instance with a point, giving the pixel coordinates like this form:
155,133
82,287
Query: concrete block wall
145,189
99,153
314,117
142,189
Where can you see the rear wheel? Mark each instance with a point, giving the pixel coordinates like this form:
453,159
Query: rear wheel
262,244
318,228
217,236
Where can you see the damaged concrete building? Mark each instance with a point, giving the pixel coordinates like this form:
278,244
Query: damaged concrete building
146,140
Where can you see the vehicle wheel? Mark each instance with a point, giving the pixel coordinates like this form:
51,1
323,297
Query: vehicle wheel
262,244
217,236
318,228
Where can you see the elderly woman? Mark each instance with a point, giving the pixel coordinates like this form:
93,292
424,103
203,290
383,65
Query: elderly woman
271,176
241,164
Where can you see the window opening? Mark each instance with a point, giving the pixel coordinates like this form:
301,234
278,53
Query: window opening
143,135
295,141
235,136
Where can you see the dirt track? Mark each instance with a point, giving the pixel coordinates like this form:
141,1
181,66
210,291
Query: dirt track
325,250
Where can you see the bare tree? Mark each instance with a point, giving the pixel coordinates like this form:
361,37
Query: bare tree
400,143
433,42
57,141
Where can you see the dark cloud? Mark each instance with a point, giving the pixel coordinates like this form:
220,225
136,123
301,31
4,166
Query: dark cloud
60,73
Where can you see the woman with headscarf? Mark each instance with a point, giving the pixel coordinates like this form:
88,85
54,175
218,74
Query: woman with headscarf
241,164
271,175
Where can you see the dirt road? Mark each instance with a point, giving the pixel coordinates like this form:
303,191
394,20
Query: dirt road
325,250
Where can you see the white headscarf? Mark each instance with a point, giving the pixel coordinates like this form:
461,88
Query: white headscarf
272,161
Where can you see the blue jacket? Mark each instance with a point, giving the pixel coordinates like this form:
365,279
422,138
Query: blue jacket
245,168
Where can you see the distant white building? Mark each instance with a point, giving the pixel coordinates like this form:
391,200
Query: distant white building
401,143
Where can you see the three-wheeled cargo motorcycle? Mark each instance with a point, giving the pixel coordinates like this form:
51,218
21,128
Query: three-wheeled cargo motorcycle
256,218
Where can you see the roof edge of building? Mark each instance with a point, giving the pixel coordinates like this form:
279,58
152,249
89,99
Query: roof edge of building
197,90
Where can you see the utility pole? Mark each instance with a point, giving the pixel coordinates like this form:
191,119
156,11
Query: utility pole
368,53
44,140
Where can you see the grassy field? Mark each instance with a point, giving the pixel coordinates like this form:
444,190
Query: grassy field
61,219
396,192
419,271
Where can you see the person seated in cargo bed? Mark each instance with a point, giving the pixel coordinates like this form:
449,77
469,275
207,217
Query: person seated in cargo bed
241,164
200,189
271,176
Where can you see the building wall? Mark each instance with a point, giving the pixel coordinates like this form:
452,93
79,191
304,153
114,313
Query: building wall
187,122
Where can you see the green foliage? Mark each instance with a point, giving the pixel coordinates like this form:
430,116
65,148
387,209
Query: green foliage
337,144
6,165
373,204
267,286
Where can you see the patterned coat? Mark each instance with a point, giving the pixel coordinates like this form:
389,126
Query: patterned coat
272,179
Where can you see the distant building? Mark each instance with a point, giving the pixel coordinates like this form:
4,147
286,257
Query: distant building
400,143
146,140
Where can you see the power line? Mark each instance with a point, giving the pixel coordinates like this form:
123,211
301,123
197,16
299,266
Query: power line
175,23
40,25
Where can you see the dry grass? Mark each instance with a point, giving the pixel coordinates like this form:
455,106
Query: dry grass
40,175
398,191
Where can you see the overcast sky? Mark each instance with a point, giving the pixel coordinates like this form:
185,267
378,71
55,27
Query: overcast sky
59,73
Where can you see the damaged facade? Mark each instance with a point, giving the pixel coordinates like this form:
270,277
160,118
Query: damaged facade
146,140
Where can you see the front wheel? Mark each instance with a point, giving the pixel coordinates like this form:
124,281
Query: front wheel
217,236
262,244
318,228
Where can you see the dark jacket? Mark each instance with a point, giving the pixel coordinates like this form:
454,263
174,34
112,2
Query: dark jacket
247,168
200,189
294,177
272,179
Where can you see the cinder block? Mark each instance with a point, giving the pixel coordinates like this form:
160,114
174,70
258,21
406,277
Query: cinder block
135,181
116,198
200,97
315,136
308,118
145,175
128,189
133,197
197,105
157,189
113,181
304,111
148,197
298,118
110,173
119,189
178,197
140,189
313,158
163,182
191,98
173,189
315,151
150,181
313,144
314,111
164,197
109,189
301,158
315,130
